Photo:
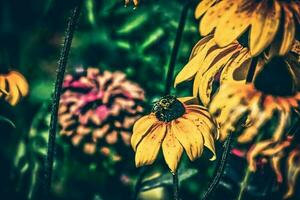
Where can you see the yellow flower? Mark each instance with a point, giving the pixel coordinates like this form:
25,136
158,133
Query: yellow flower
234,100
175,126
210,64
13,86
270,22
135,2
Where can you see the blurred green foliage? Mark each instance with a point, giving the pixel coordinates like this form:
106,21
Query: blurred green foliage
111,37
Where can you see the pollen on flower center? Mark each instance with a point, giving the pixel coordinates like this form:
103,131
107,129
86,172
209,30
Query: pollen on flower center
168,108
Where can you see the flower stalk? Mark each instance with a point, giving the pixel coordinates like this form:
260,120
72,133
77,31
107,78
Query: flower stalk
175,186
180,29
48,168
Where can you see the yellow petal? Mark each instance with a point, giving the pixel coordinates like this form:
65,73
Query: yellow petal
172,149
191,68
213,15
236,70
289,31
293,171
20,81
265,23
142,128
202,7
189,137
148,148
14,95
232,25
207,77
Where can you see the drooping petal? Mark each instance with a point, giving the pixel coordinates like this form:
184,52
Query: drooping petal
148,148
189,137
265,23
212,17
289,31
233,23
142,128
172,149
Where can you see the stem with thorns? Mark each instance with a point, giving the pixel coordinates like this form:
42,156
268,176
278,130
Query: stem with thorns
73,20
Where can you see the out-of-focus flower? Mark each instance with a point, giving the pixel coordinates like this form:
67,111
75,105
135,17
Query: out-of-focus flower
271,23
293,170
174,125
135,2
210,64
98,109
233,101
13,86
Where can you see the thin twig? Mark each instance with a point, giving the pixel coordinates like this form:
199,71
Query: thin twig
73,20
180,29
220,168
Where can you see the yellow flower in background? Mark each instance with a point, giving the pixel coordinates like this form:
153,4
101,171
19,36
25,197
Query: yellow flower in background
135,2
293,171
13,86
235,101
174,125
270,22
210,64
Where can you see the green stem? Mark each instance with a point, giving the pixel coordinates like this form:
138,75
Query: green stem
180,29
73,20
220,168
244,184
175,186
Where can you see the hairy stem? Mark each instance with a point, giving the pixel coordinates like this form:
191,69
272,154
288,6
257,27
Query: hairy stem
244,184
180,29
220,168
73,20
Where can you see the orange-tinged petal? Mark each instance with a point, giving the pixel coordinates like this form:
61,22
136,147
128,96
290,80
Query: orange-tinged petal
189,137
142,128
172,150
148,148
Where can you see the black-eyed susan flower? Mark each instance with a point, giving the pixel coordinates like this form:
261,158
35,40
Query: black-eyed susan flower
211,65
98,109
270,22
13,86
234,100
175,126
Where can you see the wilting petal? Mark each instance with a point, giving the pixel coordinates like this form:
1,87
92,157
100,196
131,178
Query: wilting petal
172,149
289,31
141,128
189,137
148,148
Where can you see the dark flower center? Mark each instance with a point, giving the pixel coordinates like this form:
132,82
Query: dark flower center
168,108
276,78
